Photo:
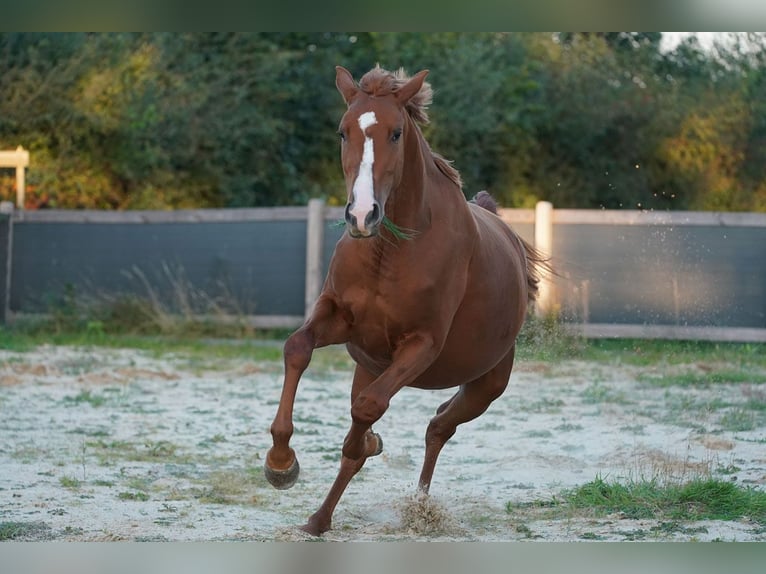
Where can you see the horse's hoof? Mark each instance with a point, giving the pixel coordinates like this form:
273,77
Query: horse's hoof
379,448
311,529
282,479
315,526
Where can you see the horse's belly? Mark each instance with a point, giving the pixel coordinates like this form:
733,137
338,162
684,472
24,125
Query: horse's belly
463,362
482,333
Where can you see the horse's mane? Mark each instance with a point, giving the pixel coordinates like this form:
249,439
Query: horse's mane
380,82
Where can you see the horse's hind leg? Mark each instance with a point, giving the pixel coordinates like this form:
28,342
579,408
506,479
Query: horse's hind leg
468,403
325,327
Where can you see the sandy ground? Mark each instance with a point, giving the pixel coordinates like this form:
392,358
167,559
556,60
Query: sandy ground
99,445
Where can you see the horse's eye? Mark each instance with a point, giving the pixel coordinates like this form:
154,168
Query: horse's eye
342,136
396,135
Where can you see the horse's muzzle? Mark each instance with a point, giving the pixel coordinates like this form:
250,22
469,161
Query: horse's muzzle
371,224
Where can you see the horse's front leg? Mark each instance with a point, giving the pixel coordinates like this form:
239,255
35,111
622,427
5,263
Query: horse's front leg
370,399
412,357
326,326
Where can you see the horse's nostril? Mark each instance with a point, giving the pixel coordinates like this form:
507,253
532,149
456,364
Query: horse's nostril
373,218
350,219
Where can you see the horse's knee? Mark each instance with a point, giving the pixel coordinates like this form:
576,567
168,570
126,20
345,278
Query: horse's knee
368,408
298,349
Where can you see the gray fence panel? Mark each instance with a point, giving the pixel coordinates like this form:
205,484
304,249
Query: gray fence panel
5,243
697,275
672,270
251,267
332,234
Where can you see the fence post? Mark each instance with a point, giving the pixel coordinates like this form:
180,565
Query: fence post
19,159
6,250
544,243
314,248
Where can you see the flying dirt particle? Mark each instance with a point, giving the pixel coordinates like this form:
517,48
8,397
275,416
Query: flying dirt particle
421,514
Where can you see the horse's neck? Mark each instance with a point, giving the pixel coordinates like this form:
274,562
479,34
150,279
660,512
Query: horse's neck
410,205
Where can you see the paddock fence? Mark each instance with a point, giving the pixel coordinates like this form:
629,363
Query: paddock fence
680,275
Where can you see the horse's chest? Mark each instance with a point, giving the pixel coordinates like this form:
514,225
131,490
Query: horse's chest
370,308
380,317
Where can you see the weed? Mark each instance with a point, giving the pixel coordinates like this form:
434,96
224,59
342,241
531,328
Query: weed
23,530
598,393
70,482
543,433
702,499
139,483
209,442
139,496
568,427
110,452
526,531
544,405
738,420
591,536
85,396
674,527
232,487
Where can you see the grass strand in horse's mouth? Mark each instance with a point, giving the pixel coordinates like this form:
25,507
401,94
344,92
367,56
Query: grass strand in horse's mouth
396,231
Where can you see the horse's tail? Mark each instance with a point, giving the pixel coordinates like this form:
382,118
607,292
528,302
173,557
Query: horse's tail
538,264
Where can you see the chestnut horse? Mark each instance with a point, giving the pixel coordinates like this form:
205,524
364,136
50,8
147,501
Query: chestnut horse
425,289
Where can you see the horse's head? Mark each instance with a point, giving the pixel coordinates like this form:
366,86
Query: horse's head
372,147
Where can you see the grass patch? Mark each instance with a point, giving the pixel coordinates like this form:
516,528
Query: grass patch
112,452
85,396
704,380
700,499
193,350
738,420
166,302
544,340
138,496
598,393
232,487
23,530
544,405
70,482
569,427
642,352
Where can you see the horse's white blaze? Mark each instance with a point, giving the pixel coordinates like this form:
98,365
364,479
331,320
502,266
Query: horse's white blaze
364,196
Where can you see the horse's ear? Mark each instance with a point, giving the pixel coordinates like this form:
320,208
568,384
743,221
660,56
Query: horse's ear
345,83
412,87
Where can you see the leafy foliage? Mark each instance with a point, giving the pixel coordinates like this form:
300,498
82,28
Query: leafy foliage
169,120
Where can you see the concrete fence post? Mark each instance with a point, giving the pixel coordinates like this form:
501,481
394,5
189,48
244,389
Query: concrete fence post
544,243
314,249
18,159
